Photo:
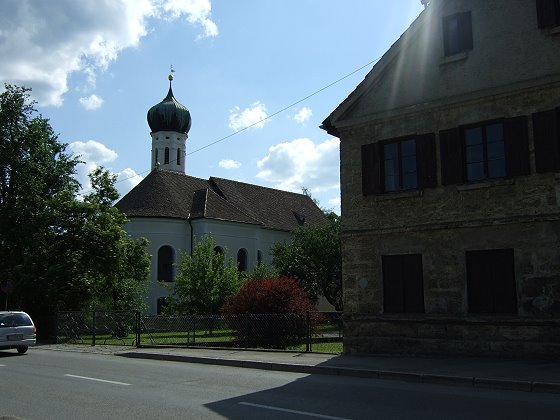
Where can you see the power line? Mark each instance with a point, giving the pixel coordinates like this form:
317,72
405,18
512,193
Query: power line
260,121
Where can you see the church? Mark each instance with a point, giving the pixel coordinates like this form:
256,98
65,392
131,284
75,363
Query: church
173,210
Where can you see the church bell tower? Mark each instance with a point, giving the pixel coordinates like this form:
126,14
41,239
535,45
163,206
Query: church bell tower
170,123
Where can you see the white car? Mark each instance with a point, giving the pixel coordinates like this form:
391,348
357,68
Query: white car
17,331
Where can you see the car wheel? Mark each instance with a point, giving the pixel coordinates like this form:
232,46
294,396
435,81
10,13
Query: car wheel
22,349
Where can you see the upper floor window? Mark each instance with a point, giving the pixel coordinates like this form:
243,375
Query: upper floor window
485,155
489,150
548,13
178,156
156,158
399,164
457,33
166,156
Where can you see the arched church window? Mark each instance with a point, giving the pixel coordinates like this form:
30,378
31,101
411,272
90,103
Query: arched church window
242,259
219,250
178,156
259,257
166,158
157,159
166,258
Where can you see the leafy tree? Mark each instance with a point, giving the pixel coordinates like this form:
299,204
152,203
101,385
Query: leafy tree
58,252
313,257
263,271
205,279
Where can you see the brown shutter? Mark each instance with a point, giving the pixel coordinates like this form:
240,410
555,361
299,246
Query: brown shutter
517,146
546,13
413,284
426,160
393,287
451,152
465,31
371,169
546,139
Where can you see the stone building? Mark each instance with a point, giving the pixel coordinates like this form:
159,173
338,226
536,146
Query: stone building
173,210
450,183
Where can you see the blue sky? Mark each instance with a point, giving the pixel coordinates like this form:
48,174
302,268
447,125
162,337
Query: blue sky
96,67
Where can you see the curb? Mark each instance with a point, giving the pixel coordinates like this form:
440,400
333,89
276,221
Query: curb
492,383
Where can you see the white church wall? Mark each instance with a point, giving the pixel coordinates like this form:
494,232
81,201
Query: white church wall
160,232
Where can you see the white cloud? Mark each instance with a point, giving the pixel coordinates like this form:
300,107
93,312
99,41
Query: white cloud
127,179
303,115
302,163
91,102
93,154
334,202
229,164
46,41
253,116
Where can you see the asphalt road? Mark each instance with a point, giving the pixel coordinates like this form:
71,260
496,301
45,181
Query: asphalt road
46,384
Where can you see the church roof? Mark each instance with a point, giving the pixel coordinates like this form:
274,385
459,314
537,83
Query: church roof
170,194
169,115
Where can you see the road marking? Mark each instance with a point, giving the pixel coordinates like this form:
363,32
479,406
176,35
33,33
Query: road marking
97,380
2,365
286,410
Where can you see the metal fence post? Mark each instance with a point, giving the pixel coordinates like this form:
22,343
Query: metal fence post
138,326
93,330
308,322
246,330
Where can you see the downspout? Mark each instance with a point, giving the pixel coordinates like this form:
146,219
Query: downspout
192,235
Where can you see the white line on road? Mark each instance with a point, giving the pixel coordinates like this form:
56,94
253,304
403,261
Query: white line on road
97,380
2,365
286,410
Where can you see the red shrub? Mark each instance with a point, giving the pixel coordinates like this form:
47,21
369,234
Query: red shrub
269,313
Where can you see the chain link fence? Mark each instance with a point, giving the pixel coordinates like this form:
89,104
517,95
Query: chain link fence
315,332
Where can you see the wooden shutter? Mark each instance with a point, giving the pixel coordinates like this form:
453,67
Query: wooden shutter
413,284
451,153
371,169
546,13
426,160
504,291
516,140
465,31
393,286
491,281
546,139
403,285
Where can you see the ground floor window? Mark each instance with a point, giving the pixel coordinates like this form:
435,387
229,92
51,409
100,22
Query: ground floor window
491,281
161,303
403,284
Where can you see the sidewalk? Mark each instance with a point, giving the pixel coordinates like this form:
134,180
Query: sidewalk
511,374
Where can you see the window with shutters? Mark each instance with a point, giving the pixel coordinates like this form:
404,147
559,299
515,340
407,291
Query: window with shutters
457,33
546,136
491,281
548,13
485,156
403,285
484,151
399,164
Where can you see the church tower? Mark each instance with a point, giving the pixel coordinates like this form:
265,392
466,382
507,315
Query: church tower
170,123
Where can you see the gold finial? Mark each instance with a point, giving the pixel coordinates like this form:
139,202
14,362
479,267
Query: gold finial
171,71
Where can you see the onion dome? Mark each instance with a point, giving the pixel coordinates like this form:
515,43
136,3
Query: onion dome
169,115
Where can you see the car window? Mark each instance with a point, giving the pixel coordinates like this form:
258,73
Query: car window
14,320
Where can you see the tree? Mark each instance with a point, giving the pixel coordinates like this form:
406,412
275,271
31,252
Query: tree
58,252
313,257
205,280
